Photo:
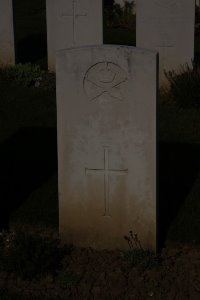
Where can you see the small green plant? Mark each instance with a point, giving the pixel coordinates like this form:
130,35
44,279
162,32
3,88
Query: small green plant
137,255
30,256
23,74
184,89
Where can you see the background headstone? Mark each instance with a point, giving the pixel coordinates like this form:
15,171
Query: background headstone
72,23
107,145
168,27
7,47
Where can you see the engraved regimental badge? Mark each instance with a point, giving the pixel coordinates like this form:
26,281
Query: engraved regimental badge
105,81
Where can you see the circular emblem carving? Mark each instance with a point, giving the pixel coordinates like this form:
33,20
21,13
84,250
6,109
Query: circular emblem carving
105,81
165,3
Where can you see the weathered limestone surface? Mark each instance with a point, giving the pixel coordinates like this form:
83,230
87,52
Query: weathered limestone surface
106,114
168,27
7,48
72,23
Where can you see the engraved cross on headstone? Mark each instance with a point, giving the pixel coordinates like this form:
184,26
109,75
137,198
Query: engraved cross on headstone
74,15
106,172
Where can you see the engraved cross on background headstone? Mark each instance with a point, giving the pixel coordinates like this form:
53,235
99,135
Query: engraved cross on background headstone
106,172
74,15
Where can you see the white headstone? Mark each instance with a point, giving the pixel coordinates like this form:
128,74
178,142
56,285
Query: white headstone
106,114
168,27
72,23
7,48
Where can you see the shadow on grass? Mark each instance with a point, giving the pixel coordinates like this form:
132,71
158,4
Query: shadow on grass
119,36
178,167
7,295
27,160
31,49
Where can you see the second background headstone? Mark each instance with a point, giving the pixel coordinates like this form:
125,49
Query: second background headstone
168,27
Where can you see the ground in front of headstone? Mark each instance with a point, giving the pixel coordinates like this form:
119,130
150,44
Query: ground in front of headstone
90,274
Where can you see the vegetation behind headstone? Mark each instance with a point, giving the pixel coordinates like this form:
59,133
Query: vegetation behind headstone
117,16
185,86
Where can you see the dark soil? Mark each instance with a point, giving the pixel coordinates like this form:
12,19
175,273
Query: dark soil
90,274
